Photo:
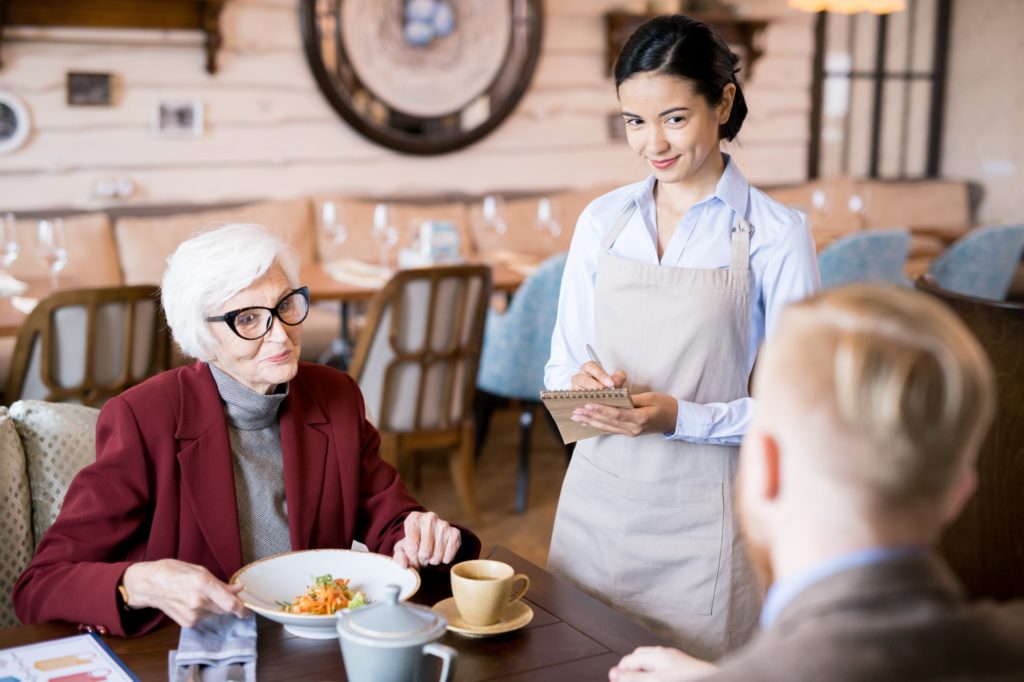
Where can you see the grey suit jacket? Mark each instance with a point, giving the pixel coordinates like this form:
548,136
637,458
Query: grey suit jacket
904,620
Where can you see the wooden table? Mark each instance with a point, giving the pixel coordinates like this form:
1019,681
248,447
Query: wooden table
322,287
11,318
572,637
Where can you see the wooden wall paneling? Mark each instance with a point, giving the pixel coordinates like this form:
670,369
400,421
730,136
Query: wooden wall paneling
270,134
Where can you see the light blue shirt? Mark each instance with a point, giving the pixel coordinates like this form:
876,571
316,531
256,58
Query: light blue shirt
783,592
783,269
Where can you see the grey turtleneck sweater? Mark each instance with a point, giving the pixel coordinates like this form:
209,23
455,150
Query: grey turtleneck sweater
258,466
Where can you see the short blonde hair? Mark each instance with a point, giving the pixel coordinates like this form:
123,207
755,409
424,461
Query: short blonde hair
900,384
211,267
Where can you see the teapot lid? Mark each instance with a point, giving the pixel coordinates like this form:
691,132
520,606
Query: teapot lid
392,620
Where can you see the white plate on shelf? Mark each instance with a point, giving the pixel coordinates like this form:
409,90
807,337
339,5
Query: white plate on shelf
282,577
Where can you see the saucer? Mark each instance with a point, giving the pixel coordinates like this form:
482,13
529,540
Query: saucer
517,615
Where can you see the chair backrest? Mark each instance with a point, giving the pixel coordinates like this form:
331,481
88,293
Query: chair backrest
58,440
876,256
984,545
982,262
416,361
43,446
87,345
15,515
517,343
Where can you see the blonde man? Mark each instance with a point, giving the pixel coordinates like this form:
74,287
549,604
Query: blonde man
872,405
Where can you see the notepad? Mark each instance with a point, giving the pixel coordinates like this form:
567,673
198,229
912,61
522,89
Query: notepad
562,403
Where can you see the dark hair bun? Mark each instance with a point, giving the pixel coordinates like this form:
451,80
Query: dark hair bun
677,45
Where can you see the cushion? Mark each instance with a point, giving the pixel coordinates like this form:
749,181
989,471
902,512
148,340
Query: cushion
15,517
58,439
92,255
144,244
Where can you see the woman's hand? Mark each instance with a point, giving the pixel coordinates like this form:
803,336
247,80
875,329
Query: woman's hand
187,593
651,413
592,377
659,664
428,540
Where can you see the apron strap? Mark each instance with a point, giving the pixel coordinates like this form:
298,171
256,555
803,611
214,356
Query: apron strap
741,231
620,224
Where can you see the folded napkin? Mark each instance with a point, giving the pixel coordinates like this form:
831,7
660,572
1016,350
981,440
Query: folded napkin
358,272
24,304
524,269
506,257
218,649
9,286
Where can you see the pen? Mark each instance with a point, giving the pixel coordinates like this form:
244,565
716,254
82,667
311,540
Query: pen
593,355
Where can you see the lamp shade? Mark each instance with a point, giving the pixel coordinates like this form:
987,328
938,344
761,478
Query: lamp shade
849,6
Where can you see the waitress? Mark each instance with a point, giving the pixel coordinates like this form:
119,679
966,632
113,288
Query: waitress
674,281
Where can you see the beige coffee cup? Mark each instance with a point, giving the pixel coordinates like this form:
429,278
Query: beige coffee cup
483,590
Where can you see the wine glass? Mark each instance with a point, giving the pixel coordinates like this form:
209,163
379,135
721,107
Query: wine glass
493,208
50,239
858,211
546,221
333,228
385,232
8,241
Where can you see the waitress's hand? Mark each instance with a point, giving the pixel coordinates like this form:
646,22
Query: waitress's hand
187,593
592,377
659,664
651,413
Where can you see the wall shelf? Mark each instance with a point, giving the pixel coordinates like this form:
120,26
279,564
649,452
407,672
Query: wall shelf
199,15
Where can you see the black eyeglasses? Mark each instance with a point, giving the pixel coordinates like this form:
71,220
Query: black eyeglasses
255,321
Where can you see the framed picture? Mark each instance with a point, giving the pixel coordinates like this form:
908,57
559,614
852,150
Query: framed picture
179,118
14,122
89,89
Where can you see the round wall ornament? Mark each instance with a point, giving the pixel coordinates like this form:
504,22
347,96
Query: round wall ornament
422,76
14,122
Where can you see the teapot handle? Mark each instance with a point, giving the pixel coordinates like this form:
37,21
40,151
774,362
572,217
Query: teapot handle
447,656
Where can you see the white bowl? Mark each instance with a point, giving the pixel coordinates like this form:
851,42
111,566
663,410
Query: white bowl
282,577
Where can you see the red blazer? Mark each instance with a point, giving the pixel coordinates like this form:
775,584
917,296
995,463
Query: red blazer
163,487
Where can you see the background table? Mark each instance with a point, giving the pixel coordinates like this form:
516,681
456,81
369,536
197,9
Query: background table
572,637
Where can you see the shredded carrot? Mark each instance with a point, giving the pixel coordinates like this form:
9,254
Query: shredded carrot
324,597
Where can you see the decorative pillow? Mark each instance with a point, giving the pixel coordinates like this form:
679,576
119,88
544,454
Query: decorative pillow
144,244
16,517
58,439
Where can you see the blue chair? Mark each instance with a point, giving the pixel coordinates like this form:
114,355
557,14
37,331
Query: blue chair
874,256
981,263
516,347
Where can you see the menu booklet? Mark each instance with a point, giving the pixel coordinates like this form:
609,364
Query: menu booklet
82,658
561,405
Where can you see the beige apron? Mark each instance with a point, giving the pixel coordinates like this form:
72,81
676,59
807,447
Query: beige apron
647,524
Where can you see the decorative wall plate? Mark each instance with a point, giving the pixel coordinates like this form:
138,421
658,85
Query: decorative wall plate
422,76
14,122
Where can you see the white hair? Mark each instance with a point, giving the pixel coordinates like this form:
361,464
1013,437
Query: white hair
211,267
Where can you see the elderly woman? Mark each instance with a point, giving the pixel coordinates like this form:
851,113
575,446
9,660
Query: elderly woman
243,454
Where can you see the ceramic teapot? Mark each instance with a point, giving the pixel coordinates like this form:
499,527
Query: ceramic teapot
391,641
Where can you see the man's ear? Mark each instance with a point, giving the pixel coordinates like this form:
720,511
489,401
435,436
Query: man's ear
762,465
959,496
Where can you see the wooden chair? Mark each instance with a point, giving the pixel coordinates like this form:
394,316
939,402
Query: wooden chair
88,345
985,546
416,363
